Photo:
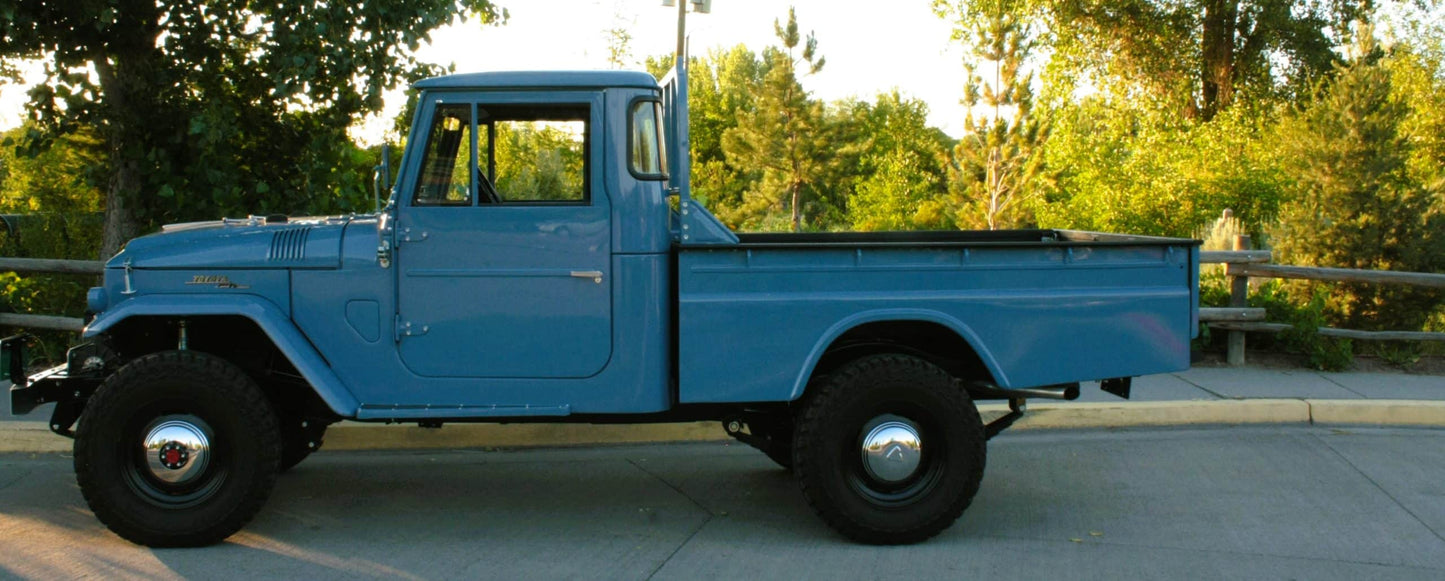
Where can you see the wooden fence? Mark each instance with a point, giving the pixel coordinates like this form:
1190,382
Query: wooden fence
47,266
1241,264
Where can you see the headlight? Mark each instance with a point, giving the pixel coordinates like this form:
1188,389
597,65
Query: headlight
96,300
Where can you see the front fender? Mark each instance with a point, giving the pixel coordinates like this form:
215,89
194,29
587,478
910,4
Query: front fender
264,313
884,315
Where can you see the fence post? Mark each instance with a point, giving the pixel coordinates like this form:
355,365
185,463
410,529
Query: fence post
1238,298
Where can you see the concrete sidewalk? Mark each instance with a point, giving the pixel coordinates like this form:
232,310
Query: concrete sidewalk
1200,396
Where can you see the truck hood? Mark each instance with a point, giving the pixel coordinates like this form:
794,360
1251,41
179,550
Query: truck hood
239,243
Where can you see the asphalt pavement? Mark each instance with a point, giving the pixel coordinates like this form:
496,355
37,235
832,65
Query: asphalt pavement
1278,502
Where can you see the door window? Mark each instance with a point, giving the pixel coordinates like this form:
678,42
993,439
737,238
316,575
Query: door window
447,159
534,154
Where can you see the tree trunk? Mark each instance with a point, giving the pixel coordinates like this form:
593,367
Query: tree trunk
127,68
121,220
797,212
1221,19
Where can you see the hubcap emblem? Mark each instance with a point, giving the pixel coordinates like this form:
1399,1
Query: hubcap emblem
174,455
892,449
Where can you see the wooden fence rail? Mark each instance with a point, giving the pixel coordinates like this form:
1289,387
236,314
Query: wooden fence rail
47,266
1244,264
51,266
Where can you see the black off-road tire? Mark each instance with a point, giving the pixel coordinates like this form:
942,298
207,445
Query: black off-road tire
204,391
300,436
827,452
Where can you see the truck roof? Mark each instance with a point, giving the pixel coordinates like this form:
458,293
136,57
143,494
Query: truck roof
534,79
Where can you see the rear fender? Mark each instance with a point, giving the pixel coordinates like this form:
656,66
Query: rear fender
267,316
887,315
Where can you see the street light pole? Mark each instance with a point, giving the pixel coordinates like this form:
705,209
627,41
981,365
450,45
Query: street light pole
681,30
698,6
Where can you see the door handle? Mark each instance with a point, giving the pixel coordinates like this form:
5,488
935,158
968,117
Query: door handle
595,275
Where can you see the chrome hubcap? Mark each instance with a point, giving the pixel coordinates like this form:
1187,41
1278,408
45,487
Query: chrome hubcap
176,451
892,449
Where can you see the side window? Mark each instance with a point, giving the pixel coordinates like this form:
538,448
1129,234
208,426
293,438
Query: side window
646,157
534,154
447,159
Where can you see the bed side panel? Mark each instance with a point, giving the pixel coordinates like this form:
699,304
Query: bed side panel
752,322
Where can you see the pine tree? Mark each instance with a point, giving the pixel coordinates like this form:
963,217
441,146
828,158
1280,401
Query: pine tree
1355,205
994,166
782,134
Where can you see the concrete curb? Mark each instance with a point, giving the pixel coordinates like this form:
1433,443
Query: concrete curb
1157,413
35,437
1391,412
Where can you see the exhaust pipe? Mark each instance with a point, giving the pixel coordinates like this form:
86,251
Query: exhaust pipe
1064,391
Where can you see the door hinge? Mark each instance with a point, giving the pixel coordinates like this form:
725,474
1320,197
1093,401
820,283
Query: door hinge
407,235
409,329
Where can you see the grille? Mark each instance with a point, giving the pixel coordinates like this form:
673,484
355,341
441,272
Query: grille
288,244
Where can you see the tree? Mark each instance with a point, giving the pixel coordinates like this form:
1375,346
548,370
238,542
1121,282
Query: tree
782,134
219,105
1356,205
1195,57
995,164
900,164
721,86
619,40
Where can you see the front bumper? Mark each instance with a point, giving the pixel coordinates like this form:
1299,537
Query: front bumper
52,385
37,390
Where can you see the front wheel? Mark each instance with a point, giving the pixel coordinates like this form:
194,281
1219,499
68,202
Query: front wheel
889,450
178,448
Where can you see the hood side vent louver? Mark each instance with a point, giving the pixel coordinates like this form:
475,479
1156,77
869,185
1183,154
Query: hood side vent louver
288,245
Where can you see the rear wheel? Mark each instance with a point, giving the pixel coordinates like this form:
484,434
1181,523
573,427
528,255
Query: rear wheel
178,448
889,450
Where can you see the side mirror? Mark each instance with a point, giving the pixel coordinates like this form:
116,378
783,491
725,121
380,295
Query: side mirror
380,176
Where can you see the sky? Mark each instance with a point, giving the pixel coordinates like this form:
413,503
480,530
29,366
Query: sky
871,46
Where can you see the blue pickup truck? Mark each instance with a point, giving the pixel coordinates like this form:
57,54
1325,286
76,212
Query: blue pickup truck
541,259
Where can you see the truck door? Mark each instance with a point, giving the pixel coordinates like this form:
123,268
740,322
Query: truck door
503,240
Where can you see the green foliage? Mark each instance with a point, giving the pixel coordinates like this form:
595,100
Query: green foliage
51,211
1324,353
1119,169
993,169
784,136
211,107
1305,319
538,161
899,171
1356,203
58,179
1194,58
721,86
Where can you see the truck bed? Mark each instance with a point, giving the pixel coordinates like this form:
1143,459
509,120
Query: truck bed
1037,307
